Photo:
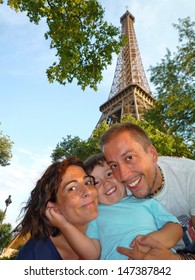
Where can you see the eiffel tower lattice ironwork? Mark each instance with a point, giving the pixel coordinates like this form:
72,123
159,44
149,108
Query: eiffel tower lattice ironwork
130,92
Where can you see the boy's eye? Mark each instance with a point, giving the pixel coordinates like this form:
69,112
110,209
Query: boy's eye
97,183
109,174
113,166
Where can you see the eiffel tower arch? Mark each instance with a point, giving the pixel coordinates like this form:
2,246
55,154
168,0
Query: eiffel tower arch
130,92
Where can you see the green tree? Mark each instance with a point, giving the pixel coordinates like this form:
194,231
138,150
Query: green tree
5,149
83,40
74,146
5,232
174,81
166,144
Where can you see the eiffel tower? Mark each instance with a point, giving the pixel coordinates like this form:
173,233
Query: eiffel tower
130,92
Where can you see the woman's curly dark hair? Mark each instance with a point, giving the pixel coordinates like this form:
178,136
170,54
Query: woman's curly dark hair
34,220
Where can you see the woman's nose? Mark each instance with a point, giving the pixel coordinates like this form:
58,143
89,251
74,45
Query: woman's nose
85,191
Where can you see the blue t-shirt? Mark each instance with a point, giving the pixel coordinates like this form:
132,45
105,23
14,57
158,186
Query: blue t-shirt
118,224
42,249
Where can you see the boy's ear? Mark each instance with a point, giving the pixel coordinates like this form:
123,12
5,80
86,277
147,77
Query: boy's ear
152,150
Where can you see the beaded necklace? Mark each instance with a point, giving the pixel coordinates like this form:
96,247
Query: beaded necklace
160,188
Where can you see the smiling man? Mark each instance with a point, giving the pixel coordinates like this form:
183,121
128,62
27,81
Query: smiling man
134,162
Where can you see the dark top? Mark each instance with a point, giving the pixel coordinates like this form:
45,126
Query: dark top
43,249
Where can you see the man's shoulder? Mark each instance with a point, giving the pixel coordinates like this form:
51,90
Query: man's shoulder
175,161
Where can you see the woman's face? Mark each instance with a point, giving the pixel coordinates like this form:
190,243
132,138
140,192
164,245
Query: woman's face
77,196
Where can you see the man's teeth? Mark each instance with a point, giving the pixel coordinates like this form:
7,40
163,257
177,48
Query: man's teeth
134,183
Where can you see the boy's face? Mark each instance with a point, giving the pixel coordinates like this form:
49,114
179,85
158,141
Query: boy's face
110,191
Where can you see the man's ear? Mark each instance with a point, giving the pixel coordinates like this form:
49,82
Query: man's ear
152,150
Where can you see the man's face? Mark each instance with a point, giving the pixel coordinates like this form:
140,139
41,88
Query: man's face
132,165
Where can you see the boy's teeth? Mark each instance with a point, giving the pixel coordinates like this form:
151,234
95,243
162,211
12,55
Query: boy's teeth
110,191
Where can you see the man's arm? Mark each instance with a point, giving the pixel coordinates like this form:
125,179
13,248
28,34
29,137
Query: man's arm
168,235
157,251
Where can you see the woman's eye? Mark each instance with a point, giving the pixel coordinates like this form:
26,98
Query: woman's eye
90,182
73,188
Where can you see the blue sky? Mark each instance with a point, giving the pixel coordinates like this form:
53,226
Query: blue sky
37,115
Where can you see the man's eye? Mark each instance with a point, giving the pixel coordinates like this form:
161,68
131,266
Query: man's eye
129,158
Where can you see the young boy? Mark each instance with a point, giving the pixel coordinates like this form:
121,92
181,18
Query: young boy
121,218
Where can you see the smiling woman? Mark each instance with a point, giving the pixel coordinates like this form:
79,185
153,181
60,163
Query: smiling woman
66,187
